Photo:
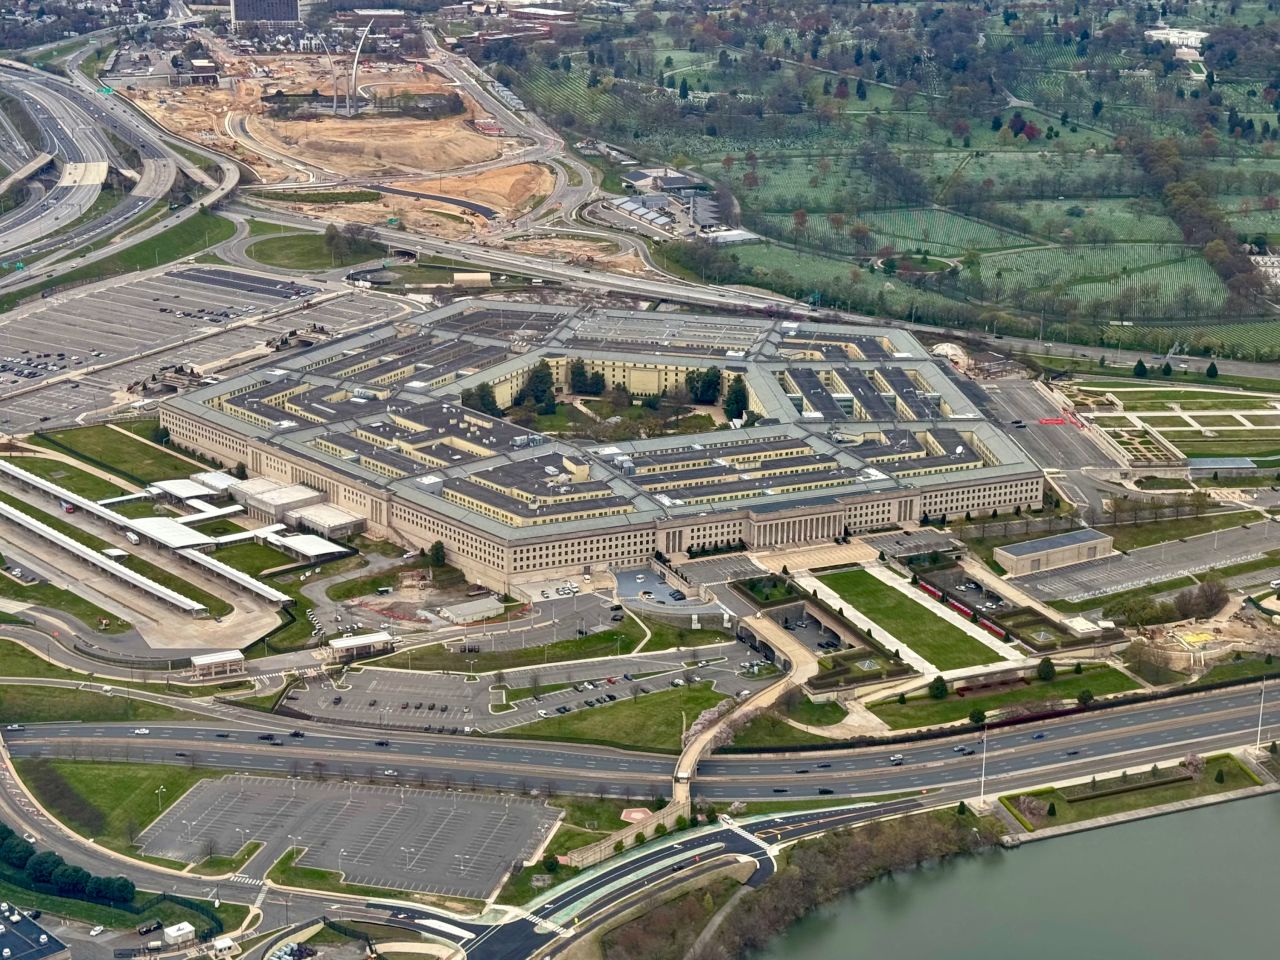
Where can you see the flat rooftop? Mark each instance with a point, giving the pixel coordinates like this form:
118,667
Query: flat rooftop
1071,538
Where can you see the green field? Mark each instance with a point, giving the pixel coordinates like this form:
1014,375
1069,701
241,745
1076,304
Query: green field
253,558
307,251
910,621
1235,777
770,730
55,598
649,722
924,711
72,478
110,802
187,238
1130,536
37,704
104,446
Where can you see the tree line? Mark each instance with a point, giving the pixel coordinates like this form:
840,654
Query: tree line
48,871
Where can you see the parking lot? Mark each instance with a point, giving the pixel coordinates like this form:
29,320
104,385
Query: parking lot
1147,565
1053,444
87,335
449,703
397,837
734,566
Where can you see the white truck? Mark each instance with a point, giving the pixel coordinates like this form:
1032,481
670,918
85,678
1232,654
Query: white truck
132,537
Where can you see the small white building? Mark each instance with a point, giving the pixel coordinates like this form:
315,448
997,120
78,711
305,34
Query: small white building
365,645
222,663
179,933
484,608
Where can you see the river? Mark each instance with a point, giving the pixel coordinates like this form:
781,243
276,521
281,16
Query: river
1196,884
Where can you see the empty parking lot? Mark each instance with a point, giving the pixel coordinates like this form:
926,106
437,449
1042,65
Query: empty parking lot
82,341
400,838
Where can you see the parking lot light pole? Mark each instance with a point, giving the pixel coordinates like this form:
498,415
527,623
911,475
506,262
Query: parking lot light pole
159,792
1262,702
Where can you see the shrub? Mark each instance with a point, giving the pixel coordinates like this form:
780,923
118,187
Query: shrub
938,688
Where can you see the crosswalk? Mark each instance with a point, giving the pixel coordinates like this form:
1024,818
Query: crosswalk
247,881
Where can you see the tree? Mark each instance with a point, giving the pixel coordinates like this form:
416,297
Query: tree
1085,698
481,398
70,881
16,852
241,472
1053,809
977,717
437,556
1211,371
1219,777
962,809
1167,369
41,867
578,376
902,699
735,398
1078,668
551,863
1139,368
938,688
1045,670
684,89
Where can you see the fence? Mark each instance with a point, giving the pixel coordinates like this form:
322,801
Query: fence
602,850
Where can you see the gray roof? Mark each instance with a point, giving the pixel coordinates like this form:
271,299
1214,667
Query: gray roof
1071,538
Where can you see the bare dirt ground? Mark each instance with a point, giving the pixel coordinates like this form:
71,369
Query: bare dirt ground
508,190
365,145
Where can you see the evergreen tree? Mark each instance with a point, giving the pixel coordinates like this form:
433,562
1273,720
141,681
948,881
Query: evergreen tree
735,398
1211,371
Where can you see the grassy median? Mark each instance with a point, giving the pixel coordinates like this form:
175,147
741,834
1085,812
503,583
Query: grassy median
911,622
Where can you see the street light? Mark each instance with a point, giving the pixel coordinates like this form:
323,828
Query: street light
1262,700
158,792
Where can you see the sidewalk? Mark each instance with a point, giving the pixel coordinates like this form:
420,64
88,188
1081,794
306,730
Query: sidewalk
854,616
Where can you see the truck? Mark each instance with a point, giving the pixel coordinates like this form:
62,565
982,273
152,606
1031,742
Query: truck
148,926
132,537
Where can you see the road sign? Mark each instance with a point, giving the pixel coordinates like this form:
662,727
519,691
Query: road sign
105,90
19,265
392,221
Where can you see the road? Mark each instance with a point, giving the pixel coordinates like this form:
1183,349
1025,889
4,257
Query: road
1103,739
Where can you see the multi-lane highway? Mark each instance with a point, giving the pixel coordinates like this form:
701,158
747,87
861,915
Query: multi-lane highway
1097,740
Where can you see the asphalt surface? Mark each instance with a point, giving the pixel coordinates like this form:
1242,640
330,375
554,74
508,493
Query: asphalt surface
1102,738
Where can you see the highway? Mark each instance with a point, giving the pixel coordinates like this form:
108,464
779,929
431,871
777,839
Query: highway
1096,741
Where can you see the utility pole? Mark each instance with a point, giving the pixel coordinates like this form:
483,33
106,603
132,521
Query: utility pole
1262,700
982,776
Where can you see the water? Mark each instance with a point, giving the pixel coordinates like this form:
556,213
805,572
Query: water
1196,884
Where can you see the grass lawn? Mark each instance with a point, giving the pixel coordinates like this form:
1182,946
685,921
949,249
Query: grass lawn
1235,777
608,643
650,722
287,872
806,711
216,865
189,237
1111,599
216,605
37,704
823,803
96,913
1129,536
770,730
911,622
107,446
520,889
72,478
665,636
55,598
252,558
307,251
1237,669
924,711
18,661
136,509
111,802
221,527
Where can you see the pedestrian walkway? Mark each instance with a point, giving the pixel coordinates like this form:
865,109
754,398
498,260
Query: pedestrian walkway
853,615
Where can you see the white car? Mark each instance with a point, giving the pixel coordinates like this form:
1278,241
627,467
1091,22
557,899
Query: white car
29,838
543,714
15,726
96,930
141,732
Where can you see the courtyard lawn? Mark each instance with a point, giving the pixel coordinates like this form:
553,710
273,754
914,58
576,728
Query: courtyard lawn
924,711
909,621
665,636
650,722
119,453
